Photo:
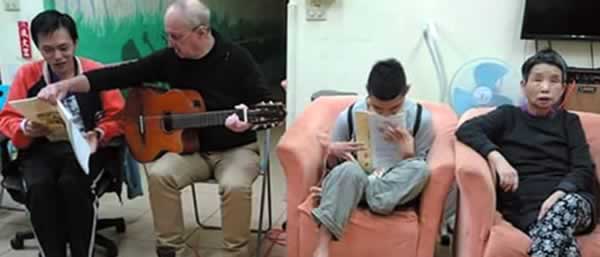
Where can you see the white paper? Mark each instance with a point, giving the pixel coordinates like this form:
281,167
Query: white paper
385,153
81,147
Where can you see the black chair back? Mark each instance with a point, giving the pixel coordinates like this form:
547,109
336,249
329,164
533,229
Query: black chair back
12,178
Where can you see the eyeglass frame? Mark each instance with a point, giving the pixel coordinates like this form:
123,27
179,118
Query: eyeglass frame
166,36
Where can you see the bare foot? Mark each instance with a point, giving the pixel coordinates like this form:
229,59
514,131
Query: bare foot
320,252
323,246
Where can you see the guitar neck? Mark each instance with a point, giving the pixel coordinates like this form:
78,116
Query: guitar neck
201,120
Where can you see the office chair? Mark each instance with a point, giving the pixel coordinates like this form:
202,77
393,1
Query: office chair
14,183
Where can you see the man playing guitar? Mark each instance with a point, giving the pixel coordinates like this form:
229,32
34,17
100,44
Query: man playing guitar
225,74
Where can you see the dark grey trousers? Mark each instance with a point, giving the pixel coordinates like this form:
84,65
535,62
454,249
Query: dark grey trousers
347,184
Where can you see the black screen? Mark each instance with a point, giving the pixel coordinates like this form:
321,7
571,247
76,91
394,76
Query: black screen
561,19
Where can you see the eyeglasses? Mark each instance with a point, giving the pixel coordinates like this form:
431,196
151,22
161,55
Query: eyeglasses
181,37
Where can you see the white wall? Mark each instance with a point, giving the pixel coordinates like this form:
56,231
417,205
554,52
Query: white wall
338,53
10,54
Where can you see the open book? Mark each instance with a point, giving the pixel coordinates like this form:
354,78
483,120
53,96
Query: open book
64,125
44,113
379,153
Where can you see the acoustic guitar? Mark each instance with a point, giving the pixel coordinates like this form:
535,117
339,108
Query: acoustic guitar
159,121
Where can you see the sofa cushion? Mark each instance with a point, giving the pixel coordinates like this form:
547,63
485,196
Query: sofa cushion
367,234
507,241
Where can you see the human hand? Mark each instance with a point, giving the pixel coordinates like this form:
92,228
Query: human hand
93,138
509,179
341,150
315,194
344,150
234,123
54,92
401,136
316,190
549,202
34,129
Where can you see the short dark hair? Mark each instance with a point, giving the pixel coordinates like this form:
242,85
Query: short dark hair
387,80
546,56
49,21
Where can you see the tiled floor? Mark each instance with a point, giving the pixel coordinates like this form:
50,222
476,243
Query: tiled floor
138,240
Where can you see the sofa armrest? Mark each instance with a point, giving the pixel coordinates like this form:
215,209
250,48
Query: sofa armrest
299,150
301,156
477,201
441,163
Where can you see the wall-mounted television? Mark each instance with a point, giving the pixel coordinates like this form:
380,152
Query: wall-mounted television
561,19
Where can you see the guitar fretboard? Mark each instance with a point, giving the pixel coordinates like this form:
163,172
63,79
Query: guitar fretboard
199,120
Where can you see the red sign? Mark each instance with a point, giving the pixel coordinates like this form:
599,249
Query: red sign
25,39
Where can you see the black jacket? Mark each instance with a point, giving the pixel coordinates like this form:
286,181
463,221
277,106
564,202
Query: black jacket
549,154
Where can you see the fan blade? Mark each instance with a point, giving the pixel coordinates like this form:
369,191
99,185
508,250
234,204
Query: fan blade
462,100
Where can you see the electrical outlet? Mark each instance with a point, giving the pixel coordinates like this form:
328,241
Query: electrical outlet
12,5
315,14
316,10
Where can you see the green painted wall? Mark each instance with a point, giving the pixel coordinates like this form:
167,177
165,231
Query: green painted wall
112,31
116,30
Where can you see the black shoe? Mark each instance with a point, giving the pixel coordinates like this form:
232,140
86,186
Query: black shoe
165,251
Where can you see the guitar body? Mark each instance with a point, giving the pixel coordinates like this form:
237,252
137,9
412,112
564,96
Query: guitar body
146,131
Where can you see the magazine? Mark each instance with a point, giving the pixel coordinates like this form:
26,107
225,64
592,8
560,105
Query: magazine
64,125
43,113
380,153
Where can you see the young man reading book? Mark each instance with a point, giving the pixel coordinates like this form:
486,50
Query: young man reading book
381,189
59,193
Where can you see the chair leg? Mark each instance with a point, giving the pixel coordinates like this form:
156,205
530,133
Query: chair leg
259,231
2,206
270,208
197,213
1,194
109,246
117,223
18,241
267,173
195,202
266,188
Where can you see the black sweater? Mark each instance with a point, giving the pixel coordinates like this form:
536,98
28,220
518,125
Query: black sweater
549,154
225,77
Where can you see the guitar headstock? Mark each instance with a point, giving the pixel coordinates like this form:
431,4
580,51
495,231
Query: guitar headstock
266,115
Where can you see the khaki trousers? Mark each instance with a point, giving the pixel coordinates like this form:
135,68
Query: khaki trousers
234,169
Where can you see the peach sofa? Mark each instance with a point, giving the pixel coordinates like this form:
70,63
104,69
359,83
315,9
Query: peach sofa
405,233
481,231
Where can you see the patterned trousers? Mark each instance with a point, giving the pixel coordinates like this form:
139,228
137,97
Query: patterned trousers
553,235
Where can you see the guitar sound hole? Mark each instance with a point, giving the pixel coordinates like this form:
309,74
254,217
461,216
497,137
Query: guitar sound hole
197,103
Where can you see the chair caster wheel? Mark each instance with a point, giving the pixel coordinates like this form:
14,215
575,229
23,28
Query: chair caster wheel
17,244
121,228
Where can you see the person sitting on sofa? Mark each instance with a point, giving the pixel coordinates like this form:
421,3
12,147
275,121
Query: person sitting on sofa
547,186
382,191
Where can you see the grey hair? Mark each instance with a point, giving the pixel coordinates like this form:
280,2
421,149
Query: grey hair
194,11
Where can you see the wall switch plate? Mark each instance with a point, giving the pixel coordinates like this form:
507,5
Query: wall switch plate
316,10
12,5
